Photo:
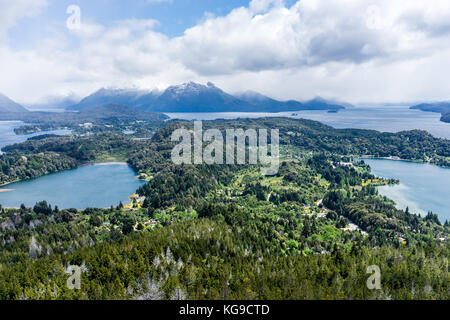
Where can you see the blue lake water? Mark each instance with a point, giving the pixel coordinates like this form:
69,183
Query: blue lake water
100,186
381,118
423,187
8,137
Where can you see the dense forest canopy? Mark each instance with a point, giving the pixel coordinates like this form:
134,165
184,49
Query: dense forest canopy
226,231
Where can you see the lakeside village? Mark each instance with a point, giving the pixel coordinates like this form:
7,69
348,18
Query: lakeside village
136,203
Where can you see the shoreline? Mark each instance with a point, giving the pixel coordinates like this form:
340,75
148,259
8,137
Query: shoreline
8,183
391,158
399,159
108,163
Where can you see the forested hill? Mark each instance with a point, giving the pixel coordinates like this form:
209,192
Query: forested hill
446,117
100,118
8,105
313,136
98,114
227,232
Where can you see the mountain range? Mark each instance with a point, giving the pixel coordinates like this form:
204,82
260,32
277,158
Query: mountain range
194,97
7,105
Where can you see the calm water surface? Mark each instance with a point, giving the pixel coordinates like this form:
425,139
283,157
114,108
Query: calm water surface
8,137
100,186
381,118
423,187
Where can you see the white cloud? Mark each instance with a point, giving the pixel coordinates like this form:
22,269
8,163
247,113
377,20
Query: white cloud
313,32
12,11
352,50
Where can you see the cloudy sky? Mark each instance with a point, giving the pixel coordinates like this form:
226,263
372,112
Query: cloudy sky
351,50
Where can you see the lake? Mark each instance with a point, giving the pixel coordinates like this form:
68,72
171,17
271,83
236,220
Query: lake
380,118
99,185
8,137
423,187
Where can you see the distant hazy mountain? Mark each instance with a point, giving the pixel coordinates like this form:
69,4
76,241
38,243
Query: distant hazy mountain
54,103
267,104
194,97
129,97
118,111
438,107
7,105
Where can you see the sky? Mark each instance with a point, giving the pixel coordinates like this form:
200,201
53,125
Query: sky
357,51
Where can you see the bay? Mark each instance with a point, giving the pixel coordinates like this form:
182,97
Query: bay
8,136
423,187
99,186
